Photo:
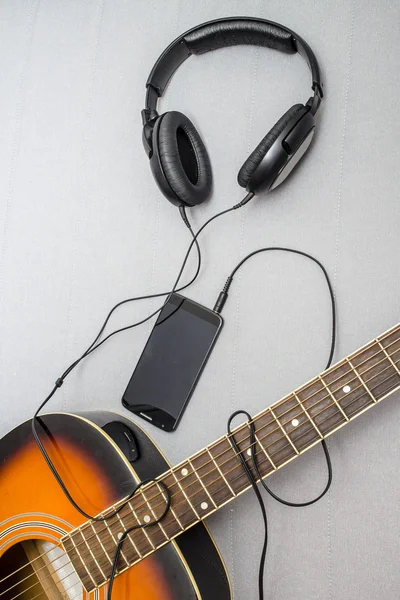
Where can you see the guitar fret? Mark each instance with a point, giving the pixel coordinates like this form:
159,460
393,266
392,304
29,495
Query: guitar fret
333,398
97,551
180,510
229,463
384,382
246,451
211,478
284,431
155,518
265,452
86,569
174,515
171,522
129,537
201,483
146,539
296,422
122,554
391,344
109,545
344,386
362,381
270,437
325,414
195,488
176,519
104,577
375,369
391,337
221,473
142,529
237,476
388,357
184,493
100,542
306,412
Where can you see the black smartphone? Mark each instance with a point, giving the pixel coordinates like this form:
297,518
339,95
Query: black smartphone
171,362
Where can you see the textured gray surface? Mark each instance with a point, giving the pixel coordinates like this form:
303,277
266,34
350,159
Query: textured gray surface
83,225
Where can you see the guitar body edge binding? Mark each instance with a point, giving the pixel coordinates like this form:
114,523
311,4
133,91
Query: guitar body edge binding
35,514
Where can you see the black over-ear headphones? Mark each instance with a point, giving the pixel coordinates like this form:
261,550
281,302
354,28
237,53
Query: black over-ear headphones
178,157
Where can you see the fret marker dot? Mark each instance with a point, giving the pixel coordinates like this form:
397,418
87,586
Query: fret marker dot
204,505
346,389
146,518
119,536
249,453
295,422
184,472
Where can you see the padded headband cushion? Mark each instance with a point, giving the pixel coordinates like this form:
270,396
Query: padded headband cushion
255,158
184,158
232,32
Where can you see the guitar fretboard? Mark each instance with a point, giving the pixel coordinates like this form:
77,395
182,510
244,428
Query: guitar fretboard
214,476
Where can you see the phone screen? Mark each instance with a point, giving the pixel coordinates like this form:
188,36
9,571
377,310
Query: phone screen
171,362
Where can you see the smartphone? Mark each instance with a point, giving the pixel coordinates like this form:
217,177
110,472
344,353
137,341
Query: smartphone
172,361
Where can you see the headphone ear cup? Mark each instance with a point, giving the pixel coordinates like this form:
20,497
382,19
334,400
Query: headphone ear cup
253,161
180,161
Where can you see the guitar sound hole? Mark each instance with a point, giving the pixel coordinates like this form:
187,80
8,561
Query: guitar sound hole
36,570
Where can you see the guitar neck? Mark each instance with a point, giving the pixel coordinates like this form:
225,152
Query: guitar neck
214,476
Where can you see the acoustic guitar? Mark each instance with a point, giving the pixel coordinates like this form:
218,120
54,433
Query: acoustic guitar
48,551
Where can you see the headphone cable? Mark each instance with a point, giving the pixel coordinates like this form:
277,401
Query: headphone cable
94,346
222,297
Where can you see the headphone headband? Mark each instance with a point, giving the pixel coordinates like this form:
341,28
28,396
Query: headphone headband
230,31
178,157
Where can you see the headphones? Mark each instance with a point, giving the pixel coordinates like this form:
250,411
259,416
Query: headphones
178,157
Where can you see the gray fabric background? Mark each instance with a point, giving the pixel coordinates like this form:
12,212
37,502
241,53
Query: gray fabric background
83,225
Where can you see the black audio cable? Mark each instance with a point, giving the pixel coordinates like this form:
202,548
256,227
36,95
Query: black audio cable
94,346
222,298
96,343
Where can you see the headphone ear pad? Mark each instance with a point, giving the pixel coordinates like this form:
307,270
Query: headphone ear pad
180,161
252,162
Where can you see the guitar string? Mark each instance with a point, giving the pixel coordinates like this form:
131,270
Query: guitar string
327,396
283,437
318,391
261,463
100,585
45,553
244,427
369,358
215,469
272,454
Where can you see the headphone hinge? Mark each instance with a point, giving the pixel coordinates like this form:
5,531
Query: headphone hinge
315,100
148,115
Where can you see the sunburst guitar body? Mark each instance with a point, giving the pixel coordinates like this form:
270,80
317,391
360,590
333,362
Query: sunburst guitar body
35,515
